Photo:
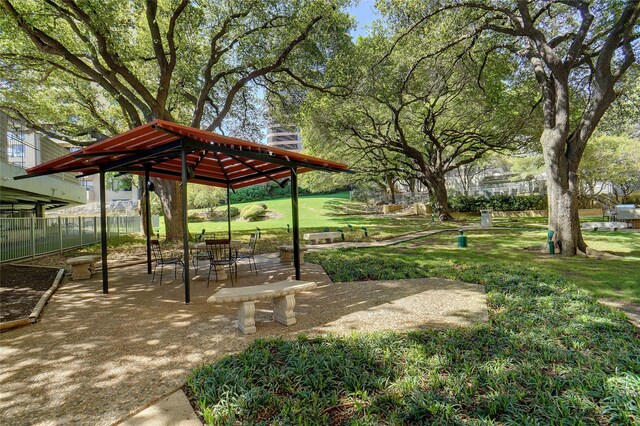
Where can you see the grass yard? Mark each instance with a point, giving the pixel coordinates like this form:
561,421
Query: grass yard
438,255
314,211
549,355
612,278
337,211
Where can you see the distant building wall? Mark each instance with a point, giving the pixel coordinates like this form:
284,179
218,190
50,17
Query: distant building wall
22,148
283,137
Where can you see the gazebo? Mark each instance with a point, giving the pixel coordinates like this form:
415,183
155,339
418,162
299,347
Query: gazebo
172,151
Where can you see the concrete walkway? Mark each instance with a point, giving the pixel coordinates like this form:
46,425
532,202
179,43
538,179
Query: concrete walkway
384,243
174,410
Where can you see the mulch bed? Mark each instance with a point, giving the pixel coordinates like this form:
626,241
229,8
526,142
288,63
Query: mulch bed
21,288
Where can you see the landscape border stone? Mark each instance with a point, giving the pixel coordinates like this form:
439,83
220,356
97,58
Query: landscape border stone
45,297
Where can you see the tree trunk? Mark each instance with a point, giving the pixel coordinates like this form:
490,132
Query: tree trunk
562,195
439,197
143,206
170,195
391,186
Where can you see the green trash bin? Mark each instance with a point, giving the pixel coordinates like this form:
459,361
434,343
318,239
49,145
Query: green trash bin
462,239
552,248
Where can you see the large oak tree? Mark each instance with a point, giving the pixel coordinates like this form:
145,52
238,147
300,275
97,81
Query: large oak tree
418,116
578,52
83,70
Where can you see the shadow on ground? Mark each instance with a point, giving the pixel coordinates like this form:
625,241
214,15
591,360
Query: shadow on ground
95,359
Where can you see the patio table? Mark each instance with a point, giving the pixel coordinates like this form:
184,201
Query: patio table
200,247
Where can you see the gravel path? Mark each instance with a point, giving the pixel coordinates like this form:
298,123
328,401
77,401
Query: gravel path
96,359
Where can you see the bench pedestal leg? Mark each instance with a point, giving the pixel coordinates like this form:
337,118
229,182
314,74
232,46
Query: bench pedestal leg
283,309
81,271
246,320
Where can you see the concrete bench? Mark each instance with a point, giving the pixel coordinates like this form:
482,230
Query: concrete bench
605,225
286,254
282,293
82,267
324,236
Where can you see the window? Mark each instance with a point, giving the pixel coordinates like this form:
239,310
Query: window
87,184
16,136
15,150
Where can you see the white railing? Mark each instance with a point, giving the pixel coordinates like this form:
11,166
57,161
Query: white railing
33,236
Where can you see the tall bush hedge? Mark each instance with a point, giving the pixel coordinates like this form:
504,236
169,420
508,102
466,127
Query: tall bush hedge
262,192
463,203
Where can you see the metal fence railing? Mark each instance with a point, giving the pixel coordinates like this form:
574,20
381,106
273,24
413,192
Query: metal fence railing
33,236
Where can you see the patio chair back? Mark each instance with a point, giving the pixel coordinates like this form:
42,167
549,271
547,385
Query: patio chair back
156,250
253,239
248,252
220,254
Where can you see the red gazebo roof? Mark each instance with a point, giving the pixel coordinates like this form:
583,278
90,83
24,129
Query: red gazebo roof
212,159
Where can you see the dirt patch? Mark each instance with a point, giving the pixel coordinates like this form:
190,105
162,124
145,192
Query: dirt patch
21,288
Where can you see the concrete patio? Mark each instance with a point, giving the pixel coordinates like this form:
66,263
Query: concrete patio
98,359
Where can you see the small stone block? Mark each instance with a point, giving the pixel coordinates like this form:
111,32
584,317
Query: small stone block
81,271
286,254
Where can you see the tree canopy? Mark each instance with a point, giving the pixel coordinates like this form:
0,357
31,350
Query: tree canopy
411,116
84,70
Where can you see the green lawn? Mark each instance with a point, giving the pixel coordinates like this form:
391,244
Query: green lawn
314,211
614,278
550,354
337,211
317,212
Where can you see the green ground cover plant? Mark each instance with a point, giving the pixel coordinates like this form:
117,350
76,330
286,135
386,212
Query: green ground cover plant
550,354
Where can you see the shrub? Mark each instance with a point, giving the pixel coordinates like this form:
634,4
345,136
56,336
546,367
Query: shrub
263,192
464,203
263,205
234,211
253,212
631,199
196,217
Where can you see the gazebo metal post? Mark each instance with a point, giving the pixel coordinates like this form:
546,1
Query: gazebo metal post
185,229
147,216
296,227
228,214
103,233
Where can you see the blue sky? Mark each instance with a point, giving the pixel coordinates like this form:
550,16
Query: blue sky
365,13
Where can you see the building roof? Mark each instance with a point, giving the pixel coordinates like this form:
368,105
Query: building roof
212,159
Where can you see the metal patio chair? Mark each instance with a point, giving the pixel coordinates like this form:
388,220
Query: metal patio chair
249,252
221,255
161,261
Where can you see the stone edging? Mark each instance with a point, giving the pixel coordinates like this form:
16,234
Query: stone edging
45,297
33,317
